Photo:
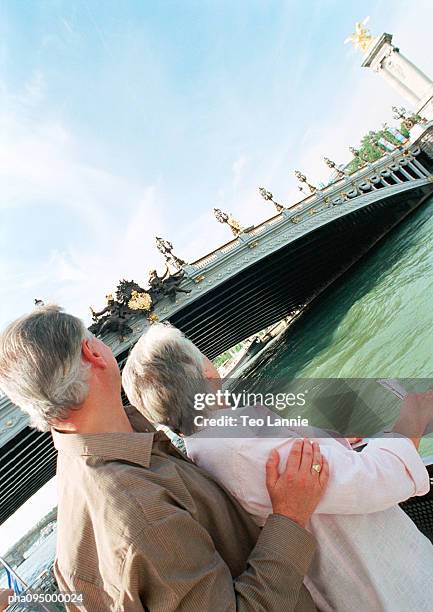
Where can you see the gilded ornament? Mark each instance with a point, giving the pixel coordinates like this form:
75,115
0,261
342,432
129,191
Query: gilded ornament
361,37
140,301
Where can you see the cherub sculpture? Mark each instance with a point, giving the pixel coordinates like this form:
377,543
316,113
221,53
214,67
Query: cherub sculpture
111,319
166,285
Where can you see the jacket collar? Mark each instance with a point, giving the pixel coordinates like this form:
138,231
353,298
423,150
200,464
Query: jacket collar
133,447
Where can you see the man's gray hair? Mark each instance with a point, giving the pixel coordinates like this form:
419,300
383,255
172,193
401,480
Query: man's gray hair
162,375
41,366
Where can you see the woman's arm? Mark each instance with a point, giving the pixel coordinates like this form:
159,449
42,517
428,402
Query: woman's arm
388,471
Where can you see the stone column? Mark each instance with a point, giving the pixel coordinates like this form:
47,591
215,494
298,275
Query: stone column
397,85
410,82
408,74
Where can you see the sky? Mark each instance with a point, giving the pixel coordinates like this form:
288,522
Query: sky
120,121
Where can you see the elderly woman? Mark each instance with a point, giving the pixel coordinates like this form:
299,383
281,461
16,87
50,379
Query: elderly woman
370,554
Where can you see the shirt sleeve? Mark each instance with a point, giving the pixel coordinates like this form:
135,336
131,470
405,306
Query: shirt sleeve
388,471
175,566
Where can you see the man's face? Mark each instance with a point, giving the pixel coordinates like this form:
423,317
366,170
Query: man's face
209,370
214,379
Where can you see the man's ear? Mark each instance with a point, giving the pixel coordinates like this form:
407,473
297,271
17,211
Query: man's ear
91,354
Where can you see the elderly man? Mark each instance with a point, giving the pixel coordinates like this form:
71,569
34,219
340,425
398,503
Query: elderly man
370,555
139,526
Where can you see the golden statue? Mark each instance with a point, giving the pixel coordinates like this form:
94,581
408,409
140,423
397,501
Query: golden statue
361,37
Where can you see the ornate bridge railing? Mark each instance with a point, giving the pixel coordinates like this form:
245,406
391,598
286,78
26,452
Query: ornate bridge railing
391,170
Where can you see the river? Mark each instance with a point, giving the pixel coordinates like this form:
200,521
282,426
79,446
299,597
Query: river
375,322
34,565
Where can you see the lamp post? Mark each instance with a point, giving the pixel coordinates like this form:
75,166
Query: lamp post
166,248
303,179
331,164
268,197
234,225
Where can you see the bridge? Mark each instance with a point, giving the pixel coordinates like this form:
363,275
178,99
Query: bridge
264,274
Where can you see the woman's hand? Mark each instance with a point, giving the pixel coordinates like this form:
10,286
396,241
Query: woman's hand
354,440
416,414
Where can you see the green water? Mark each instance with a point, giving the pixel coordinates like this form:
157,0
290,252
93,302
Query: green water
376,322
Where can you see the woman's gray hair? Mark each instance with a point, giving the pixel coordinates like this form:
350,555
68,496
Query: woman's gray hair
162,375
41,367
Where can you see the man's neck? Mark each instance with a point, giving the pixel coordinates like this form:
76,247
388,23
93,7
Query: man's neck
97,415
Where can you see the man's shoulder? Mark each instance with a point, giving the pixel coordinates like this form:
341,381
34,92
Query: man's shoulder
129,495
106,491
100,474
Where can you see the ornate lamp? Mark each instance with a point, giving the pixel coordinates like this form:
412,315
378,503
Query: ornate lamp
331,164
303,179
235,227
166,248
399,113
267,195
357,155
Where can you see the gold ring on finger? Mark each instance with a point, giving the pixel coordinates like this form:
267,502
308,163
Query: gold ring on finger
316,467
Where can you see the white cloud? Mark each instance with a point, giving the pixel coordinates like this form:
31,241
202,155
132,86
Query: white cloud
237,169
35,88
41,164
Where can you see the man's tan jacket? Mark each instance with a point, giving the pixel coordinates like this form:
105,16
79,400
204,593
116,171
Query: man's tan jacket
140,527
